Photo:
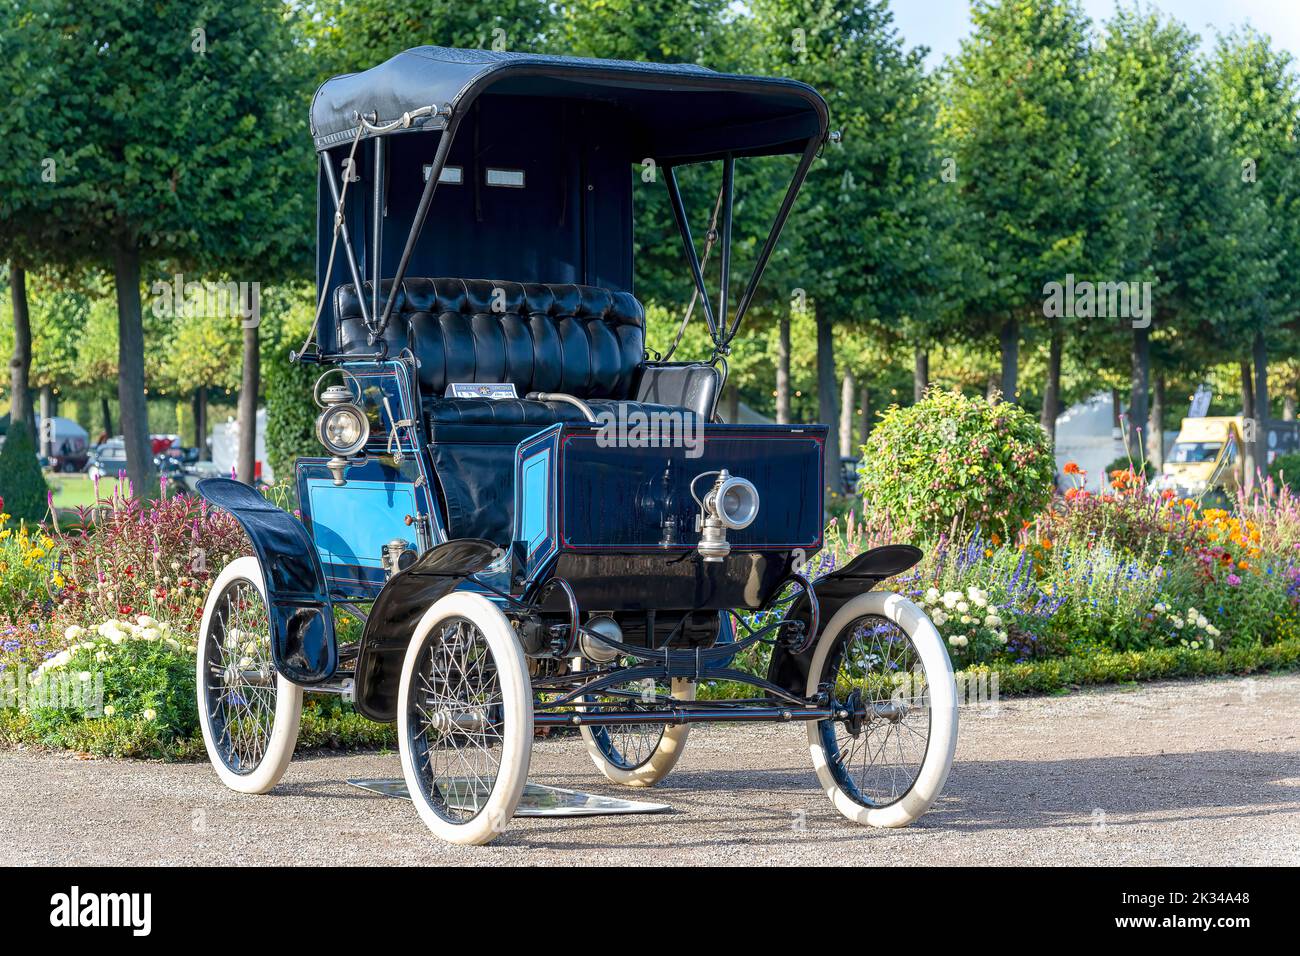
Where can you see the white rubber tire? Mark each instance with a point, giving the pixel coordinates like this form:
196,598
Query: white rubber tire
517,733
661,762
943,710
288,696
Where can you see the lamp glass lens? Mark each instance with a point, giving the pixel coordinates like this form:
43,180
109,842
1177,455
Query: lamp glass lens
343,428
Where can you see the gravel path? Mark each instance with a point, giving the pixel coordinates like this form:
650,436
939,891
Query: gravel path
1198,773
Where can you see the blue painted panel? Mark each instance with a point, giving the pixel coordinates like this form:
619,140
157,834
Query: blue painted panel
537,506
352,524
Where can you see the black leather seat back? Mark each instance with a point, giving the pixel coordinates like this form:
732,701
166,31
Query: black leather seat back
578,339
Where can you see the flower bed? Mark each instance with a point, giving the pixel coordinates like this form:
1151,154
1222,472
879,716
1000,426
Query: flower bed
98,621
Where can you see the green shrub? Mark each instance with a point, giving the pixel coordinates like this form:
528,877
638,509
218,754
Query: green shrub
1285,470
290,411
953,461
22,486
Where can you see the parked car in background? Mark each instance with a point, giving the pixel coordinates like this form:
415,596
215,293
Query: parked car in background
108,460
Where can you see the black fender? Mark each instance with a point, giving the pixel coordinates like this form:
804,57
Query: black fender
303,644
834,590
398,609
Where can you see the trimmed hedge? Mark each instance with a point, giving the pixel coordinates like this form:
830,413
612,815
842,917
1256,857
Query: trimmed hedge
22,486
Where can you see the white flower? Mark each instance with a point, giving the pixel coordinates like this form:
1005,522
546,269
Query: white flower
149,713
966,619
74,633
1177,622
101,656
1212,630
110,710
939,618
108,629
993,621
1002,636
963,606
950,599
1159,608
1193,613
932,595
957,640
245,662
144,620
148,634
978,597
1201,622
83,676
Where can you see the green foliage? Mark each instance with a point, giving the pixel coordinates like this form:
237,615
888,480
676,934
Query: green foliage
22,486
290,410
1285,470
952,461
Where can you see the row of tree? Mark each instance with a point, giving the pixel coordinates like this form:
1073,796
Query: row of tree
149,140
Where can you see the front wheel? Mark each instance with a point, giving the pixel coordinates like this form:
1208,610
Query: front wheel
884,761
465,719
248,713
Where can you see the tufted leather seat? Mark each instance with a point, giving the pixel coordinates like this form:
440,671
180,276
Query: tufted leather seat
577,339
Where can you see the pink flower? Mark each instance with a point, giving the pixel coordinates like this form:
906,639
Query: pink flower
1233,580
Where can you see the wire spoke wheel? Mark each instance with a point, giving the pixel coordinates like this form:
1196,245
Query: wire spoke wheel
456,731
884,759
465,719
878,757
241,680
248,713
637,755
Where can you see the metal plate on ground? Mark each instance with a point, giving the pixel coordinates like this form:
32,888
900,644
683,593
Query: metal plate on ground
537,800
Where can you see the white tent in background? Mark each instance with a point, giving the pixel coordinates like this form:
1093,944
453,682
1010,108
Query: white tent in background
1086,435
225,446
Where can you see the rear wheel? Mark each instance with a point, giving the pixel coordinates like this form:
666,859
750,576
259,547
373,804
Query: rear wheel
636,755
885,665
248,713
465,719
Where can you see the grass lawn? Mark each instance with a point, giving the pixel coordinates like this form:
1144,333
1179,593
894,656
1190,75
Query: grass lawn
71,491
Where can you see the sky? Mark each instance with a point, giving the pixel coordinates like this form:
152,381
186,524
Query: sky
940,24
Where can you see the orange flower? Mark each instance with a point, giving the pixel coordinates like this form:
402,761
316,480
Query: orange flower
1071,468
1046,543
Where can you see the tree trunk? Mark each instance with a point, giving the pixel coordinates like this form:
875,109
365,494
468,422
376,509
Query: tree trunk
201,423
20,366
1288,407
45,429
921,374
827,399
106,416
1139,387
1248,417
1116,409
864,427
1263,409
1009,342
847,393
248,389
133,409
1052,387
783,371
991,386
1156,427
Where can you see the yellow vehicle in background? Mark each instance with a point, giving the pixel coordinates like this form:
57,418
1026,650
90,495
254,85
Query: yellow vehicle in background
1205,457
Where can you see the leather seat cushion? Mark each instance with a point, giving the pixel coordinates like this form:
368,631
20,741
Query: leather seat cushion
582,340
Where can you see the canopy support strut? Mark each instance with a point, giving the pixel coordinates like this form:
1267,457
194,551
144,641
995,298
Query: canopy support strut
332,181
421,214
688,247
792,191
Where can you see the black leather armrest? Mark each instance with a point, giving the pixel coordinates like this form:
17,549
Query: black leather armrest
692,385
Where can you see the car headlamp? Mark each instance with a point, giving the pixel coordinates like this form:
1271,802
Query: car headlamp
343,429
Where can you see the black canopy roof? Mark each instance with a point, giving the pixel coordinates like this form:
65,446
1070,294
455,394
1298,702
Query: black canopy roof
680,112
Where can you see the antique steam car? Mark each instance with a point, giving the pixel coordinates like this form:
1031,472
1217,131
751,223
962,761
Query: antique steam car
538,521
